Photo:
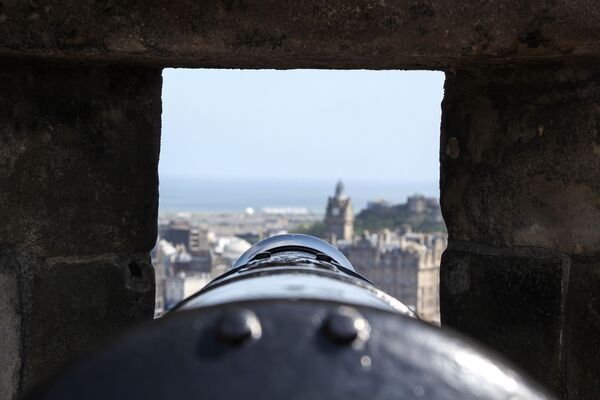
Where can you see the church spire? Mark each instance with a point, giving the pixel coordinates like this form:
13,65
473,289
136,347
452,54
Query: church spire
339,189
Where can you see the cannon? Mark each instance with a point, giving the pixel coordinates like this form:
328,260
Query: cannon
292,319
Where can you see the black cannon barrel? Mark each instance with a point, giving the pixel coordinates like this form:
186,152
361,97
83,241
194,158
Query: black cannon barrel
291,320
298,267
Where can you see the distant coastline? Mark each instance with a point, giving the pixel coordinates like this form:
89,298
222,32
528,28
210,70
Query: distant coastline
236,194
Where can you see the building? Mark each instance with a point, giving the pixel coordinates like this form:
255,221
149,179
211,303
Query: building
199,240
177,232
181,286
417,203
178,274
228,249
195,256
404,264
339,217
161,259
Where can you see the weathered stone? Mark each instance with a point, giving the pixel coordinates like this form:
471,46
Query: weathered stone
582,329
520,174
281,34
76,304
54,310
511,302
520,159
10,328
79,154
78,204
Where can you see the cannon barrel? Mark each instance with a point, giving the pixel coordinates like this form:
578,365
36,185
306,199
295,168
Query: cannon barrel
291,320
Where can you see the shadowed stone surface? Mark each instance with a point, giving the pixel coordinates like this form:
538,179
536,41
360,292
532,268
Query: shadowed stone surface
520,154
582,328
79,153
509,302
265,34
78,304
520,194
10,326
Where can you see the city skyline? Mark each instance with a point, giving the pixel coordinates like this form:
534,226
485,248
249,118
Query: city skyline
399,248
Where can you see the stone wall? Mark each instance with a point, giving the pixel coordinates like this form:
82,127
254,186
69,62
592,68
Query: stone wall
425,34
520,192
78,204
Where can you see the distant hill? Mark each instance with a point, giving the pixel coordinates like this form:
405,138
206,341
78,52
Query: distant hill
423,214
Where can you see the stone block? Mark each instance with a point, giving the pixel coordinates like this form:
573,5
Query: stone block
520,161
56,311
509,302
79,155
582,329
10,329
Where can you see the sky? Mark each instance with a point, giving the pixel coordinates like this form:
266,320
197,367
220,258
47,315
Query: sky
301,124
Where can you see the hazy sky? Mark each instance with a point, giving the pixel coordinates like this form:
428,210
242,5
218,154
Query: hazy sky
300,124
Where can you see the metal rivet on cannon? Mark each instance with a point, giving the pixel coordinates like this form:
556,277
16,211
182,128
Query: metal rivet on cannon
346,325
238,326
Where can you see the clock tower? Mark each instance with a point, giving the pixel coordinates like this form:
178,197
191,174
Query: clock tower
339,218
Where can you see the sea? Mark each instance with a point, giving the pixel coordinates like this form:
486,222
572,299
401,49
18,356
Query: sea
237,194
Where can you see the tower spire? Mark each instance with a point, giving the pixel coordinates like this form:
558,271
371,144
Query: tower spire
339,189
